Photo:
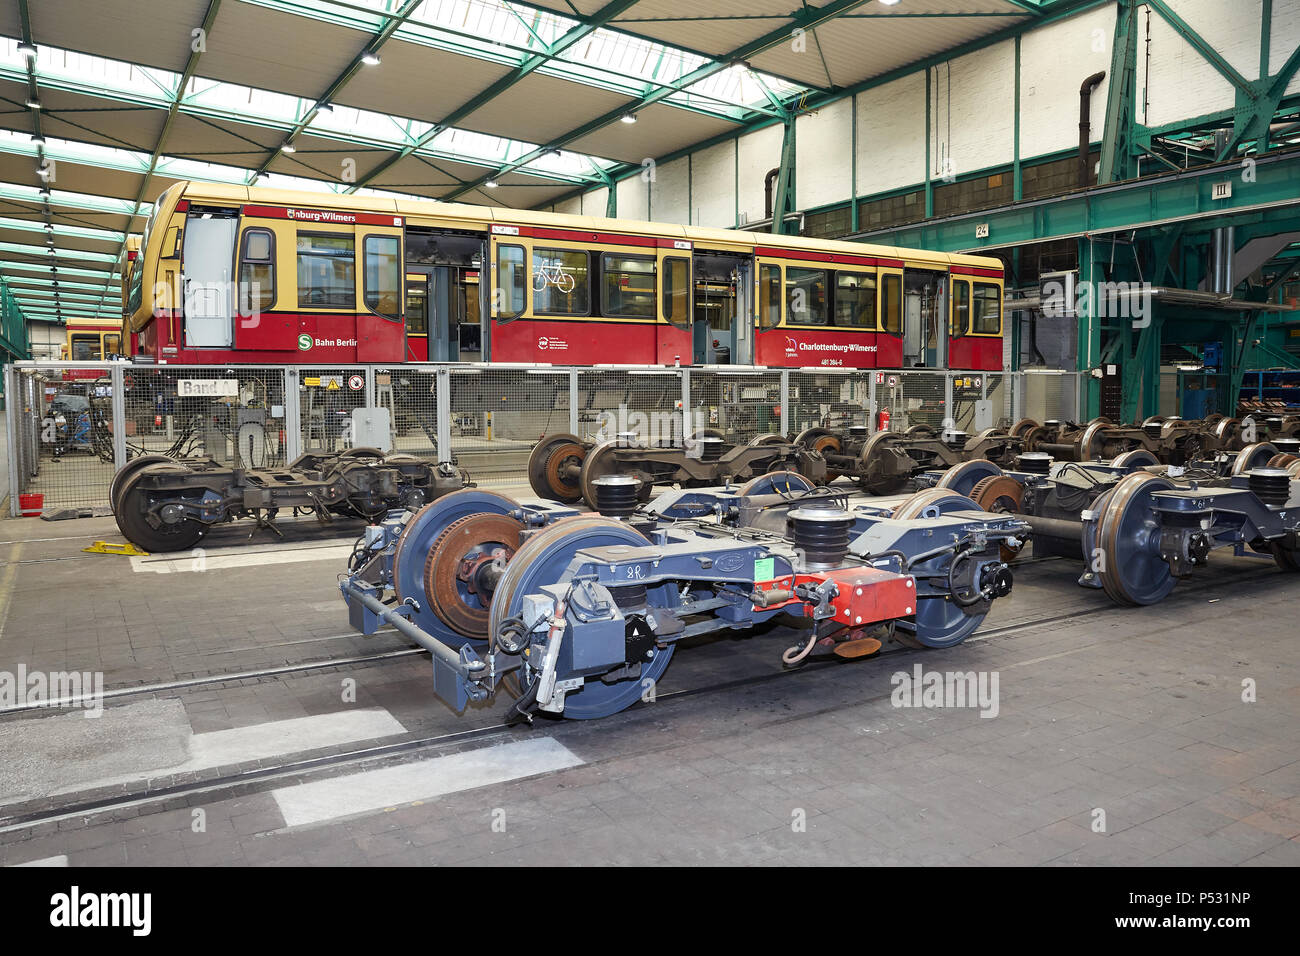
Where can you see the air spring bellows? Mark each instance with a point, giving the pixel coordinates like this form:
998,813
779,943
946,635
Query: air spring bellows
711,448
1034,462
1287,446
1153,429
858,432
955,440
616,495
821,535
1270,485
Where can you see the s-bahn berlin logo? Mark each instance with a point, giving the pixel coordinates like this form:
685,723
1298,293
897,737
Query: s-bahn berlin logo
304,342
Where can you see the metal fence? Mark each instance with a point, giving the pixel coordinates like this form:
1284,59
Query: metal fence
72,425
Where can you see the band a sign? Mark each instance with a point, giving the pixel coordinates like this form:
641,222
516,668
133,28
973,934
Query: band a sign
207,388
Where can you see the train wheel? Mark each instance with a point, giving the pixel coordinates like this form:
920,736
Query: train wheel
141,525
1134,460
824,442
129,471
999,495
1128,536
1253,456
1022,428
965,476
463,566
418,539
1093,441
1288,559
933,502
921,431
363,451
770,438
1154,420
1282,461
550,464
1227,431
777,483
1034,435
542,560
602,461
876,478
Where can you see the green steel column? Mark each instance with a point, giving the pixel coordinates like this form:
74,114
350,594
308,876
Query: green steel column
783,200
1017,172
929,162
1117,160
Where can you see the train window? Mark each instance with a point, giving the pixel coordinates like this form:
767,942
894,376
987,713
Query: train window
257,272
987,319
85,348
960,307
560,281
510,282
855,300
891,304
326,271
769,297
677,291
628,286
805,296
383,275
112,344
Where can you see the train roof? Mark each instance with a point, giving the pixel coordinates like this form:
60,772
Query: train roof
467,216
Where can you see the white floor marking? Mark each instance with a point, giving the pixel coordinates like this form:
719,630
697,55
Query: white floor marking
218,559
60,860
375,789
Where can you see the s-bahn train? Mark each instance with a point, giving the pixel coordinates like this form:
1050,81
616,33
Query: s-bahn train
230,274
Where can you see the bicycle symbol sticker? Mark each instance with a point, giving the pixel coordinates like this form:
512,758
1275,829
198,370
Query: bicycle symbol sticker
551,273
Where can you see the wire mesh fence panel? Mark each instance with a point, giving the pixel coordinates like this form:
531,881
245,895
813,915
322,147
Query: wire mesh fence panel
921,400
410,394
834,400
740,405
498,414
644,401
235,416
1049,395
66,433
326,400
997,390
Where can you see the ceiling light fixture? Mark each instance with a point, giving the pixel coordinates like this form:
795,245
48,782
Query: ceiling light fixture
27,49
33,103
491,183
370,58
628,118
286,149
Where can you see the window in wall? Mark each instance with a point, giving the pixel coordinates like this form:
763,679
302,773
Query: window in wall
805,296
677,292
383,273
326,271
560,282
256,272
769,297
855,300
987,319
960,307
629,286
891,304
508,296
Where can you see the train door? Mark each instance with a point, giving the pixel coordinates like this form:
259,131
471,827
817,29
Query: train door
429,320
207,257
925,325
721,310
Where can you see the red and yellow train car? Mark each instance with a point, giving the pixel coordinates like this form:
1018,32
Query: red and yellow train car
229,274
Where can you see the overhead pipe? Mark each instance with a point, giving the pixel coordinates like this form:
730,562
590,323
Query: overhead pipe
1085,124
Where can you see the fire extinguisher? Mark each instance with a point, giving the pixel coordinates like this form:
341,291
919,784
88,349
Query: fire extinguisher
882,420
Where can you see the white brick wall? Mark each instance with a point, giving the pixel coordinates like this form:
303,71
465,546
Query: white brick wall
1285,38
713,186
632,198
980,129
1054,62
593,202
891,135
759,152
668,192
823,152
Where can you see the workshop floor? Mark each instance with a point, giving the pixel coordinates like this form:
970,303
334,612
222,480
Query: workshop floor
1120,736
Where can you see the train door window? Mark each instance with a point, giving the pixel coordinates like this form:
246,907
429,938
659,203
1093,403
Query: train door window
855,300
891,304
805,296
417,301
85,348
960,307
510,281
769,297
256,271
560,281
628,284
326,271
383,275
112,344
677,292
987,309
